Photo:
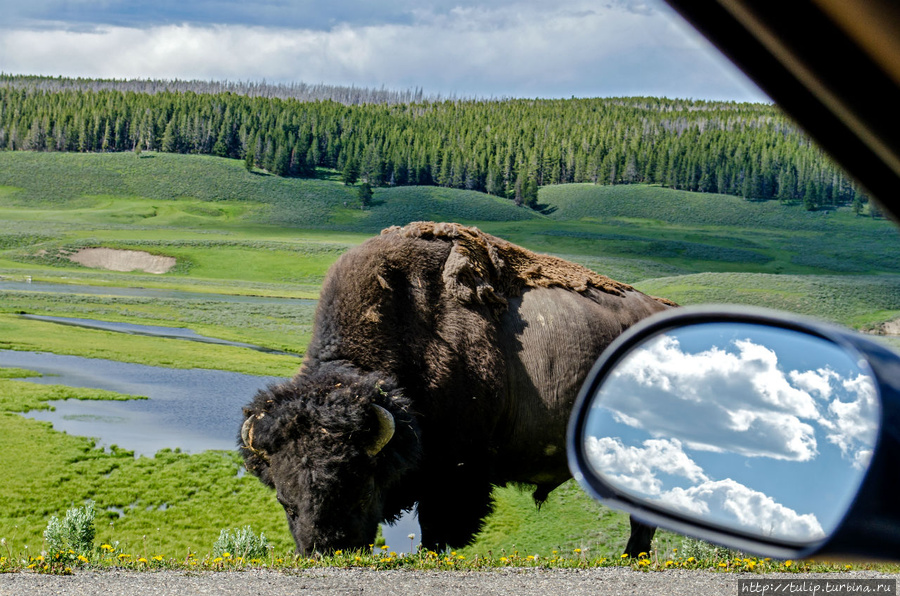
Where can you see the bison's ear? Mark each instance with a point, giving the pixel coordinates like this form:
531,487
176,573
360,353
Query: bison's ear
385,431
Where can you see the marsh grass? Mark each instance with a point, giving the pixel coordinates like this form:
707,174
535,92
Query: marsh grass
857,301
39,336
284,327
168,503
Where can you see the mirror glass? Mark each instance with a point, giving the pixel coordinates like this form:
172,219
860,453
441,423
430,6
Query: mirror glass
756,428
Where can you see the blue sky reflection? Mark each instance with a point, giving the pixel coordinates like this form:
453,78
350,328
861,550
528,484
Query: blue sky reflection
754,427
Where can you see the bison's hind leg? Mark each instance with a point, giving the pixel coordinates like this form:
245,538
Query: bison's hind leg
640,539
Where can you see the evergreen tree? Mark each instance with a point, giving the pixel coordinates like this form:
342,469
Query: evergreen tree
365,195
350,173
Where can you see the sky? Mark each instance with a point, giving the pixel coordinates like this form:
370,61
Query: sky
451,48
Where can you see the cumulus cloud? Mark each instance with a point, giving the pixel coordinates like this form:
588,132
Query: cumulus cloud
849,424
636,468
730,502
715,400
740,401
649,471
523,48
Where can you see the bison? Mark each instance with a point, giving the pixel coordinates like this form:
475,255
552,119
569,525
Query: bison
444,361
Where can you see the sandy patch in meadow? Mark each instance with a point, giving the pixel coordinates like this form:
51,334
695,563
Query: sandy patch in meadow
891,327
122,260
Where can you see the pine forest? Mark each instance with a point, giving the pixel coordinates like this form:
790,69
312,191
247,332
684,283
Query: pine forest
505,147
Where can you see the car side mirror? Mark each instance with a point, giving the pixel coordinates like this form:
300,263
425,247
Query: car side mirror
754,430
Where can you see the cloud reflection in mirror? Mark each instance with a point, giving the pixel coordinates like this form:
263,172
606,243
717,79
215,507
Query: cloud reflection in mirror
757,428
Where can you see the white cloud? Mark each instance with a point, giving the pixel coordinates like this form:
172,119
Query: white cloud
715,400
729,502
636,468
814,381
515,49
851,424
742,402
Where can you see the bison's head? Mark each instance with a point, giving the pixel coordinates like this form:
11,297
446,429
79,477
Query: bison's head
332,443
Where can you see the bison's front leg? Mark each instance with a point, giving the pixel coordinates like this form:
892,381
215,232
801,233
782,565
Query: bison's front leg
452,510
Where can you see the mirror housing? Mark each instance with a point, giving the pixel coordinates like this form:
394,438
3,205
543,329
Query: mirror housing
868,524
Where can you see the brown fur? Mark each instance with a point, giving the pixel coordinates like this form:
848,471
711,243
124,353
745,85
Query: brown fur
510,266
486,342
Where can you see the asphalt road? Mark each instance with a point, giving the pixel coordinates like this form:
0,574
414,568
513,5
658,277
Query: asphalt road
518,582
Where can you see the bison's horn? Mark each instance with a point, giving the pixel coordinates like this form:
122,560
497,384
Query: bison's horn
247,431
385,430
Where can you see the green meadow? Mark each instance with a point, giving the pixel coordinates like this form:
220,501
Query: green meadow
249,233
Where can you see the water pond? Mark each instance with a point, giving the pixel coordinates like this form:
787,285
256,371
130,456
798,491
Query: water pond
190,409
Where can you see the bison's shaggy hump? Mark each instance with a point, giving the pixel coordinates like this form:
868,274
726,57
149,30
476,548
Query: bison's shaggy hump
505,266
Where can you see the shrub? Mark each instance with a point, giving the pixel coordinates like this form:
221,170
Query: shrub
74,533
242,543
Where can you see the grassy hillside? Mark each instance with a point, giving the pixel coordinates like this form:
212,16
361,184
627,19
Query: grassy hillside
238,232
